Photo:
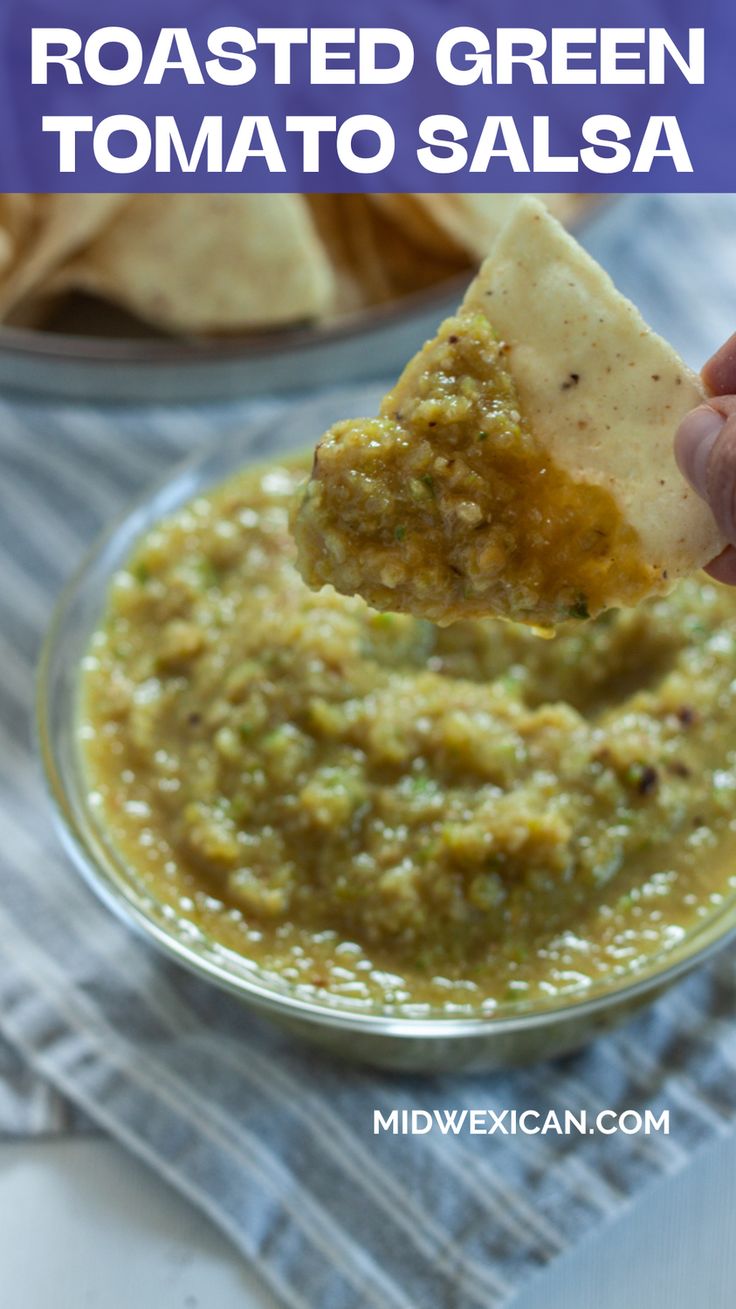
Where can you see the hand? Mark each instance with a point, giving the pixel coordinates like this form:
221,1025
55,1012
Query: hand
705,449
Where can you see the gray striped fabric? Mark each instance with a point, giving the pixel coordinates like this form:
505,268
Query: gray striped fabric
273,1141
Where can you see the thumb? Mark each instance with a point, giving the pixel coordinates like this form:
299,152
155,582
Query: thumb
705,449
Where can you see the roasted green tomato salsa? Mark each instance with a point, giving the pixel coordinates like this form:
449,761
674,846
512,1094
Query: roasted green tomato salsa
392,814
446,506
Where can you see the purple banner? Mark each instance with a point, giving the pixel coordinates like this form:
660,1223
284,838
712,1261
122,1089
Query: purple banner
259,95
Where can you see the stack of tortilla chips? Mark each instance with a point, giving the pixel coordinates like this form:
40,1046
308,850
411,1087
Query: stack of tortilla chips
209,264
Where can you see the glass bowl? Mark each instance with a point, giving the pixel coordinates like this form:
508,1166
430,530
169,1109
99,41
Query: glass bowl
517,1032
96,352
184,370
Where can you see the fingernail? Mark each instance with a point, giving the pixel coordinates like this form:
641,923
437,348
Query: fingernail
694,442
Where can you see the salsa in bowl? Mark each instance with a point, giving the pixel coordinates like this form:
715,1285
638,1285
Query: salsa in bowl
422,846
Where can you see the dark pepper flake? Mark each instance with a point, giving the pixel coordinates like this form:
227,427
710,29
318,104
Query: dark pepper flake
648,780
642,777
572,380
579,609
687,715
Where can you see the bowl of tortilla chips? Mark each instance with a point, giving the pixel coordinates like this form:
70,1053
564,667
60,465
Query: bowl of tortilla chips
182,297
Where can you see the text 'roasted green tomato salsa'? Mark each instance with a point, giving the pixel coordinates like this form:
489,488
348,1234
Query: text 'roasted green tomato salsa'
394,815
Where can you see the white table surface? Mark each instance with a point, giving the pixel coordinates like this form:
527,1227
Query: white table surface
83,1225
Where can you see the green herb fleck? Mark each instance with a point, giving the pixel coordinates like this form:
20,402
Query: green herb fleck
420,785
510,682
642,777
209,574
141,573
429,483
400,533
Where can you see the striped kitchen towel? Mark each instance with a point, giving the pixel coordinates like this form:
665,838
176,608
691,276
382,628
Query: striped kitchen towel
272,1140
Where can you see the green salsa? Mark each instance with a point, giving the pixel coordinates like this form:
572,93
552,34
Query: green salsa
445,506
394,814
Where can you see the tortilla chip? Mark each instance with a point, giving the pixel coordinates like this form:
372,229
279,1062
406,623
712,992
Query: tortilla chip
208,263
15,216
409,266
373,257
45,231
523,466
614,426
473,222
349,239
412,215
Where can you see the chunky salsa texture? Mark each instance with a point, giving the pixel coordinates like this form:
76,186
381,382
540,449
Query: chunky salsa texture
392,814
445,506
